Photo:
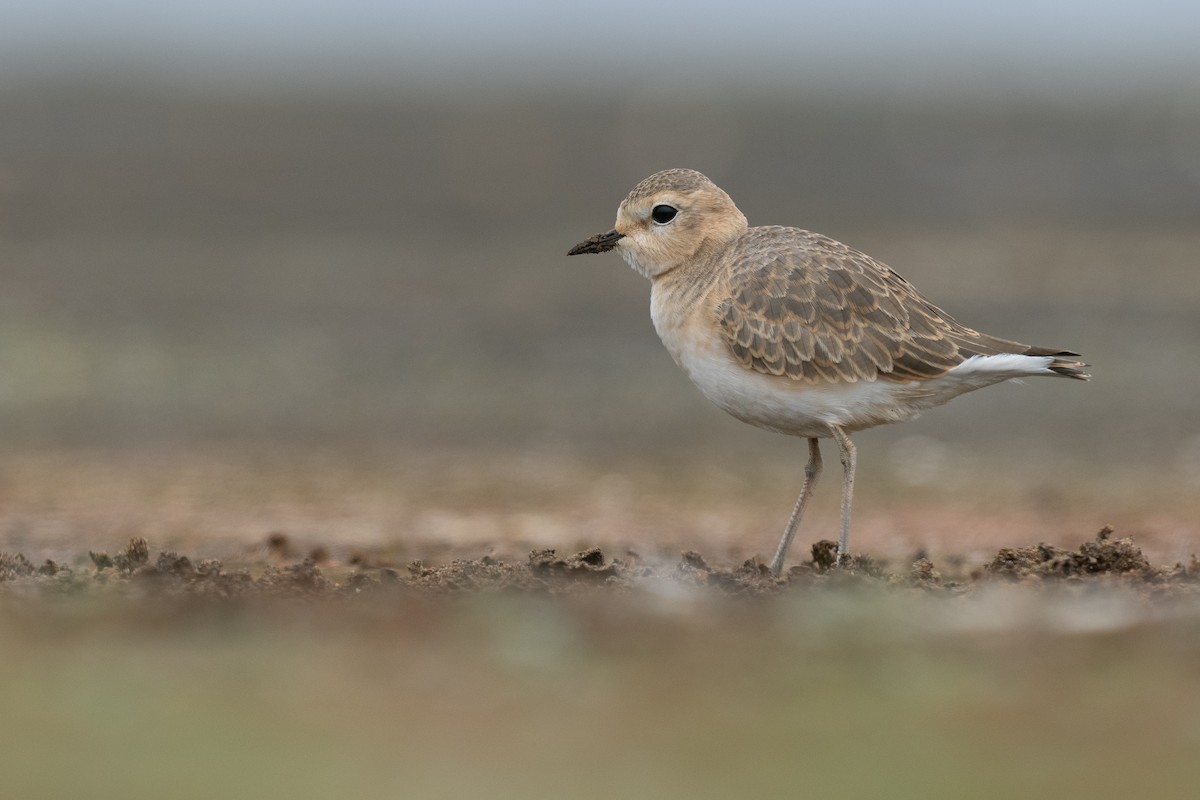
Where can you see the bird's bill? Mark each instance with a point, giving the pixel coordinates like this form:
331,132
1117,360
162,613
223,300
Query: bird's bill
600,243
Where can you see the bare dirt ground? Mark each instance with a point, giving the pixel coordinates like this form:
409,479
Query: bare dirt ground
1105,561
139,672
291,627
239,524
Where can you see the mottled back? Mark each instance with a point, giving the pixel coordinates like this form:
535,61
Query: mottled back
804,306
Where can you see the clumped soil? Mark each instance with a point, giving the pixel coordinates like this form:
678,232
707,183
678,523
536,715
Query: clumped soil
1103,561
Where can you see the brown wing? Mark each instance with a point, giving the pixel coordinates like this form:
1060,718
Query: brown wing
807,307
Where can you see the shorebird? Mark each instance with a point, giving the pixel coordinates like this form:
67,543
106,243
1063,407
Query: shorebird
791,331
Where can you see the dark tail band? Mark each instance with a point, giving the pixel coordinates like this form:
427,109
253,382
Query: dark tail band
1064,362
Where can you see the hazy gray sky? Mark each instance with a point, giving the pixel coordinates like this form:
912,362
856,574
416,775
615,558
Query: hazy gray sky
619,39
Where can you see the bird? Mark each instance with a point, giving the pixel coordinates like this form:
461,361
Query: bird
794,332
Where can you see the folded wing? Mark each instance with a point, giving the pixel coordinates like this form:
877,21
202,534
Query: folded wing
807,307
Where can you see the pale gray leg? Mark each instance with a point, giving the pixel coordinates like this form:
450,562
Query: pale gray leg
849,459
811,471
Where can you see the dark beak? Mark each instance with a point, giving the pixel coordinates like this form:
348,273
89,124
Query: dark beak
600,243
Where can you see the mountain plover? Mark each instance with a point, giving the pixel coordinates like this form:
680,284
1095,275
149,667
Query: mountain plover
794,332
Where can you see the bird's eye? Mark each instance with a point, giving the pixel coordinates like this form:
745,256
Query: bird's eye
663,214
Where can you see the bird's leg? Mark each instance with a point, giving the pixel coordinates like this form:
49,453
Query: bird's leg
811,471
849,459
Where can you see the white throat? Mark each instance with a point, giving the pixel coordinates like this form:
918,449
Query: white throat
647,269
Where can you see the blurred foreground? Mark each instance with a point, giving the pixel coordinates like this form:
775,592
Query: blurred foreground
136,676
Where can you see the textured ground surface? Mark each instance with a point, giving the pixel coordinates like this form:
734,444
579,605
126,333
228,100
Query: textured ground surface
1045,672
1106,561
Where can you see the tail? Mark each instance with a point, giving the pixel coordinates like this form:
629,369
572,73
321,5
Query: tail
973,343
1064,362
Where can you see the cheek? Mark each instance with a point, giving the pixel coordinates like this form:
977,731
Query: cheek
680,239
662,245
687,226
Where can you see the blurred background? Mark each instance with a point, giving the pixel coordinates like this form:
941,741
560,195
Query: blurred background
303,267
296,273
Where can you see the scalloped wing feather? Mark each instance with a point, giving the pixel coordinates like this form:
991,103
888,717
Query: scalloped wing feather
806,307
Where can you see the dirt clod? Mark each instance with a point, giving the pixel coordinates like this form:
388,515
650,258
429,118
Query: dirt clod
824,555
135,554
1103,559
174,564
922,573
14,565
1103,556
587,565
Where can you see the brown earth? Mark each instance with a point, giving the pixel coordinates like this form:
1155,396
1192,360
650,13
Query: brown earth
1104,561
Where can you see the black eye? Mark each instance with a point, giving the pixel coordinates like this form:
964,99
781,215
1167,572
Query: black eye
663,214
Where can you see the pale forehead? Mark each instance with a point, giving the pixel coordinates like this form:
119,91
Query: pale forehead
676,181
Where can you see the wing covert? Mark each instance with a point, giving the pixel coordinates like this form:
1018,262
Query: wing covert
806,307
